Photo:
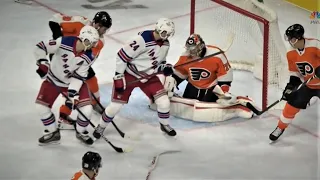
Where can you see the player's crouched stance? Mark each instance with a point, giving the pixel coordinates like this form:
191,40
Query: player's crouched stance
144,55
303,63
206,97
91,163
65,73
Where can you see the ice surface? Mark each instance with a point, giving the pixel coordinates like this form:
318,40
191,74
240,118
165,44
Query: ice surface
236,149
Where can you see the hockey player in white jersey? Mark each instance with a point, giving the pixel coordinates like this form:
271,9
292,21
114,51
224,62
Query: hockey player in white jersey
142,57
69,66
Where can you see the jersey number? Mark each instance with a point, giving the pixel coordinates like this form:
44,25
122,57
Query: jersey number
134,45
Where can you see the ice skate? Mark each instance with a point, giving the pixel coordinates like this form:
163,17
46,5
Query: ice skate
168,129
276,134
50,137
98,131
84,137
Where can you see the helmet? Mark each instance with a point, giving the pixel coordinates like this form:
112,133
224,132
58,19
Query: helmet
294,31
91,161
89,33
103,18
195,45
165,28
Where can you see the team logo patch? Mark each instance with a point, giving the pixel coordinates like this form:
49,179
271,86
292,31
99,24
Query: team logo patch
199,73
305,68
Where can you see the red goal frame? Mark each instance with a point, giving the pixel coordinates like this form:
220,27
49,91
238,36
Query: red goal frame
266,35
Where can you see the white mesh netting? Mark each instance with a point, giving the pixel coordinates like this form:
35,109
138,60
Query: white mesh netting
214,23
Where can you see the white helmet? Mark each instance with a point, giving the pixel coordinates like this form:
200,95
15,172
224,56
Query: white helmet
165,28
89,33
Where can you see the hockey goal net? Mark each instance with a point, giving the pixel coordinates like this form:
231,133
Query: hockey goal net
258,46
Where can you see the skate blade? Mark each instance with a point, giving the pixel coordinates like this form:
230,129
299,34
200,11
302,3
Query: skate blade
50,143
66,127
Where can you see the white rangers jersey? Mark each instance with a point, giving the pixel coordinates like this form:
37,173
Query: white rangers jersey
67,68
141,55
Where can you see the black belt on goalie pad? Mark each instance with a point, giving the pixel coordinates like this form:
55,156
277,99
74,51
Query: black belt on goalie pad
204,95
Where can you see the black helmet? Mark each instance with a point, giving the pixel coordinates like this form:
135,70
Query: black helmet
294,31
91,161
103,18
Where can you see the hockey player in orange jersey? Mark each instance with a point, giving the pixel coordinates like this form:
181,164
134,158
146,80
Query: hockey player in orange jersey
91,163
303,60
62,25
209,81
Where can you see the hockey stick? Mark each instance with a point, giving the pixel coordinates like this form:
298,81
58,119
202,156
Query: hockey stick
118,149
122,134
155,160
257,112
222,50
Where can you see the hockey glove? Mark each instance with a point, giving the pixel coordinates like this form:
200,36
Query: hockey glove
119,83
73,99
287,93
166,69
43,67
290,88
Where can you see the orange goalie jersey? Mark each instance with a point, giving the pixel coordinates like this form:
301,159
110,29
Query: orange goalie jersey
205,73
72,25
303,64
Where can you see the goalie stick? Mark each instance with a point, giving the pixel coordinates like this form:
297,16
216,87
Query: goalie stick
122,134
257,112
118,149
222,50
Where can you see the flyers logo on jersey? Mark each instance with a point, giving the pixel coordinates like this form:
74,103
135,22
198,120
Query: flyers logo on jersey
305,68
199,73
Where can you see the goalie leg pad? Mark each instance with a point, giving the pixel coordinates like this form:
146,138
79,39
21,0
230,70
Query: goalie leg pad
111,110
47,117
163,108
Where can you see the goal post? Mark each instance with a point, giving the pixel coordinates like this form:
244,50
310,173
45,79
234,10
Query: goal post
258,47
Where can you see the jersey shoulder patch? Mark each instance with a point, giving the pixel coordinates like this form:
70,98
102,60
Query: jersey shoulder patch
147,36
68,40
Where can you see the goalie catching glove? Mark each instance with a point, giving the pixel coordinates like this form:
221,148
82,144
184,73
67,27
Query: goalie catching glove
225,98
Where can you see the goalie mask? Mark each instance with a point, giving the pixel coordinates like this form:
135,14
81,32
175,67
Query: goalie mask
165,28
89,37
195,45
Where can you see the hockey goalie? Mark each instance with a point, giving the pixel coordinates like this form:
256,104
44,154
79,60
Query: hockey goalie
206,97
